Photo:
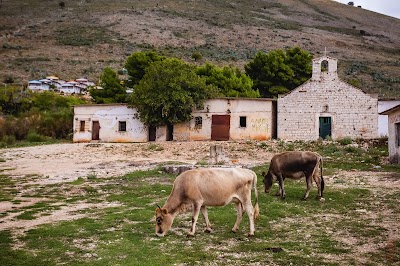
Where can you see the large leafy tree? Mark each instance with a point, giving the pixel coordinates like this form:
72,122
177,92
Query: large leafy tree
279,71
112,91
231,82
14,100
137,63
169,91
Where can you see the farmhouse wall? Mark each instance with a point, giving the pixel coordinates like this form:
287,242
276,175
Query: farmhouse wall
258,113
352,112
109,118
383,124
394,133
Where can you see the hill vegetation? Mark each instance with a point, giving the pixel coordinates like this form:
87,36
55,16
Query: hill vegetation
81,37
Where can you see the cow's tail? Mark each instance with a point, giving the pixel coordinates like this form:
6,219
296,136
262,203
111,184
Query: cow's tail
322,178
256,207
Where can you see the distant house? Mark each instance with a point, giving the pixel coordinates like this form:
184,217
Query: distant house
394,133
221,119
36,85
326,106
77,86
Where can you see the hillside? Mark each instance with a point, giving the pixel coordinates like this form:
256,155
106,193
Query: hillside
75,38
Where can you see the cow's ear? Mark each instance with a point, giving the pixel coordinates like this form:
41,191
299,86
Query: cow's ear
263,173
164,211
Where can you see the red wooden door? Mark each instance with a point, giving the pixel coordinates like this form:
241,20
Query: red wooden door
220,125
95,130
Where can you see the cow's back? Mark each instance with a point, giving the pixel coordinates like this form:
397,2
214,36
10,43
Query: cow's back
294,162
216,186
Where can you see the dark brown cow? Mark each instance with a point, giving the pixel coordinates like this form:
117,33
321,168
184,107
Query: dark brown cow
203,187
295,165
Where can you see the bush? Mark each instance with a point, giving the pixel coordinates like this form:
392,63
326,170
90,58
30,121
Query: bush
8,140
33,136
345,141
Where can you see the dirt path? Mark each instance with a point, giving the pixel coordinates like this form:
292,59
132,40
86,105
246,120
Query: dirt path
66,162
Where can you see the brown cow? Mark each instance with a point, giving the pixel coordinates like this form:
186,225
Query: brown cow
203,187
295,165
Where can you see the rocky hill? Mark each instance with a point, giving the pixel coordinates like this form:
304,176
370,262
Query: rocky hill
75,38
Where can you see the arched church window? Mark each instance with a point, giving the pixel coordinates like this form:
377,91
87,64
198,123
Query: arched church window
324,66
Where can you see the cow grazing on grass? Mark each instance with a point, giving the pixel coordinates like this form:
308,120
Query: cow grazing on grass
295,165
203,187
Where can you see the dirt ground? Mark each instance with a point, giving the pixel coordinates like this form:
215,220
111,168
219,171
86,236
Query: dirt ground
58,163
66,162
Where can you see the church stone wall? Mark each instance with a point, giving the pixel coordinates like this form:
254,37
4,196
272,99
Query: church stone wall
353,113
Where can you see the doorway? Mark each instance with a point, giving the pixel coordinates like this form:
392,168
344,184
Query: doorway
152,133
325,127
170,132
95,130
220,126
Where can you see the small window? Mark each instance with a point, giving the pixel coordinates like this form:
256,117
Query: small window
324,66
397,125
82,126
198,122
122,126
243,121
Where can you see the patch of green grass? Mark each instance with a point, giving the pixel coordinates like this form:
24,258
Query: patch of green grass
7,188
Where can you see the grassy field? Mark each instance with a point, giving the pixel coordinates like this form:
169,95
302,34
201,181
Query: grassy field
114,224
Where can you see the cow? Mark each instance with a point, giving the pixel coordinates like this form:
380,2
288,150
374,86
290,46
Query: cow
295,165
202,187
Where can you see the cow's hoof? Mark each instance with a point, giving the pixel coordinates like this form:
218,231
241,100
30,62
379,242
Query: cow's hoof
304,198
190,235
250,235
208,230
234,231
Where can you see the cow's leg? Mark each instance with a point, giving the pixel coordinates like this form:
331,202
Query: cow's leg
205,215
309,184
281,186
250,212
195,217
239,216
317,180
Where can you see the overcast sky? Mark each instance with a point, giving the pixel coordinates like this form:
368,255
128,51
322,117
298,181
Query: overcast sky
387,7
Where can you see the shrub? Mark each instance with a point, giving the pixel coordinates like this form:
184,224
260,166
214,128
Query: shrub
8,140
33,136
345,141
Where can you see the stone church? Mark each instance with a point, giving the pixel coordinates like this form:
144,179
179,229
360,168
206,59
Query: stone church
326,106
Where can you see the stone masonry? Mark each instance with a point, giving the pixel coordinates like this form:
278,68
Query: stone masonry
351,112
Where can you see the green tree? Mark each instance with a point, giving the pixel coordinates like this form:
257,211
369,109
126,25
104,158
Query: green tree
14,100
300,62
168,93
279,71
230,81
137,63
112,90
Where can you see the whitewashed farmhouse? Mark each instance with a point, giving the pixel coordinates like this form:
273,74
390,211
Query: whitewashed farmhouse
221,119
394,133
326,106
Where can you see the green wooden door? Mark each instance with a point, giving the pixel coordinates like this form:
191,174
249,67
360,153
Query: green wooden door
325,127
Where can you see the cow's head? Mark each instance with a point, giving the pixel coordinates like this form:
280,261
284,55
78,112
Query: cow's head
268,181
163,221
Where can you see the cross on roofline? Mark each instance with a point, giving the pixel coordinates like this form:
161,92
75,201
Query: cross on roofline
325,52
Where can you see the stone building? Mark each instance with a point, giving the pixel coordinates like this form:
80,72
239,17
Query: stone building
326,106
